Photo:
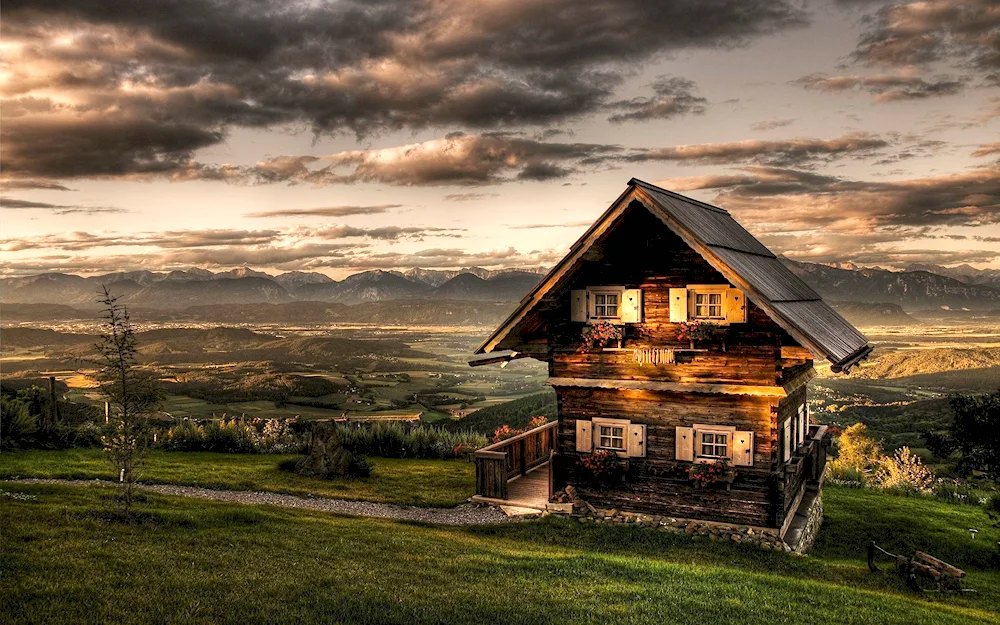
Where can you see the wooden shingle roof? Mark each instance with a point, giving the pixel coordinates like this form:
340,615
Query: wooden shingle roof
735,253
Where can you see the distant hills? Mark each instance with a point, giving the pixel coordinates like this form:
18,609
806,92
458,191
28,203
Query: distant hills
181,289
866,296
912,290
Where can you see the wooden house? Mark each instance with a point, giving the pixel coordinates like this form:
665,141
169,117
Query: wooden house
717,342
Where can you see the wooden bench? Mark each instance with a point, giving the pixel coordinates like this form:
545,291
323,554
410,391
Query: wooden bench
922,567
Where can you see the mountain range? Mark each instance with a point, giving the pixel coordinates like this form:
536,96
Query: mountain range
181,289
912,290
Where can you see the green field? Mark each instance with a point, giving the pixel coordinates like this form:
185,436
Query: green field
428,483
192,561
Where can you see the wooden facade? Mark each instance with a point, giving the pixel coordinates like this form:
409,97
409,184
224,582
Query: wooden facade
743,390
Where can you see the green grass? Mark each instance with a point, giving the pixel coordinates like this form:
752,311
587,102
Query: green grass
194,561
429,483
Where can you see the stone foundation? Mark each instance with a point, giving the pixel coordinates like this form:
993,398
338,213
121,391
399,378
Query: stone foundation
798,539
808,519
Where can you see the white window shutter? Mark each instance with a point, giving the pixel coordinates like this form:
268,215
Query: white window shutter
802,424
584,436
678,305
631,306
787,440
743,449
736,306
636,444
684,446
578,305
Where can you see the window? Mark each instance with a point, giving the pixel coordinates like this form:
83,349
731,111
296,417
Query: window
714,445
708,306
606,305
612,437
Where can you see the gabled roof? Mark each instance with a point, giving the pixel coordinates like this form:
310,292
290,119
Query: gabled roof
730,249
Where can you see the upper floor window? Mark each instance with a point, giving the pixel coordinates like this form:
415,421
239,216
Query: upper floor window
606,305
708,305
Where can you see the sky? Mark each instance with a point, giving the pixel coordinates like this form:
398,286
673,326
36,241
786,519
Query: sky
387,134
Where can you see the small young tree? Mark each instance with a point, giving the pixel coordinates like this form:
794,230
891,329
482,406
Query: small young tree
857,454
131,395
974,434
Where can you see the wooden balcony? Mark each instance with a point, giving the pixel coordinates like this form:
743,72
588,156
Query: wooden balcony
516,471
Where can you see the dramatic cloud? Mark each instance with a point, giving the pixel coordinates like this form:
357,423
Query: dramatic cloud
58,209
112,88
779,153
884,87
13,185
326,211
801,200
671,97
825,218
456,159
965,32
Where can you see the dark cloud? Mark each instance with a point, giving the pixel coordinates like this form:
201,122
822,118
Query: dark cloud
58,209
112,88
457,159
772,124
964,32
326,211
671,97
44,185
885,87
793,199
779,153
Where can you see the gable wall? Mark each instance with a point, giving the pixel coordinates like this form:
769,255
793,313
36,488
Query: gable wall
642,252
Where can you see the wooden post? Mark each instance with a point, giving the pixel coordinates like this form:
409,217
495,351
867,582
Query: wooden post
107,412
53,406
524,456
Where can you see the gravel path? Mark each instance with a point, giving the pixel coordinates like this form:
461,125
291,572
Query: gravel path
465,514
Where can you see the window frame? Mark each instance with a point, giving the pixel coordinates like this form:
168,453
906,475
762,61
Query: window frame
694,290
593,292
701,429
600,423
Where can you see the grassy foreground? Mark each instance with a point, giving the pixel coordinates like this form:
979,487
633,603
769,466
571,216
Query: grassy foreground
195,561
428,483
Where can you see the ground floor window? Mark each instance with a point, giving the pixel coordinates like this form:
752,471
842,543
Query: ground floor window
612,437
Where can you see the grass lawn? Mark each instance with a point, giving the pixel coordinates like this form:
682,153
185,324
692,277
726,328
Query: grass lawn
429,483
193,561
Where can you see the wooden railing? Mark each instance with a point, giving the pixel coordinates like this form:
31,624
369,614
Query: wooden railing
806,466
499,462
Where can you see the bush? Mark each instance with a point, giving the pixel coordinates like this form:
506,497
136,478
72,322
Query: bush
237,435
904,471
17,425
395,439
857,454
327,458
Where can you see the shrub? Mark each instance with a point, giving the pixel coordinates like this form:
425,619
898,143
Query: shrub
904,471
504,432
17,425
237,435
395,439
857,454
327,458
